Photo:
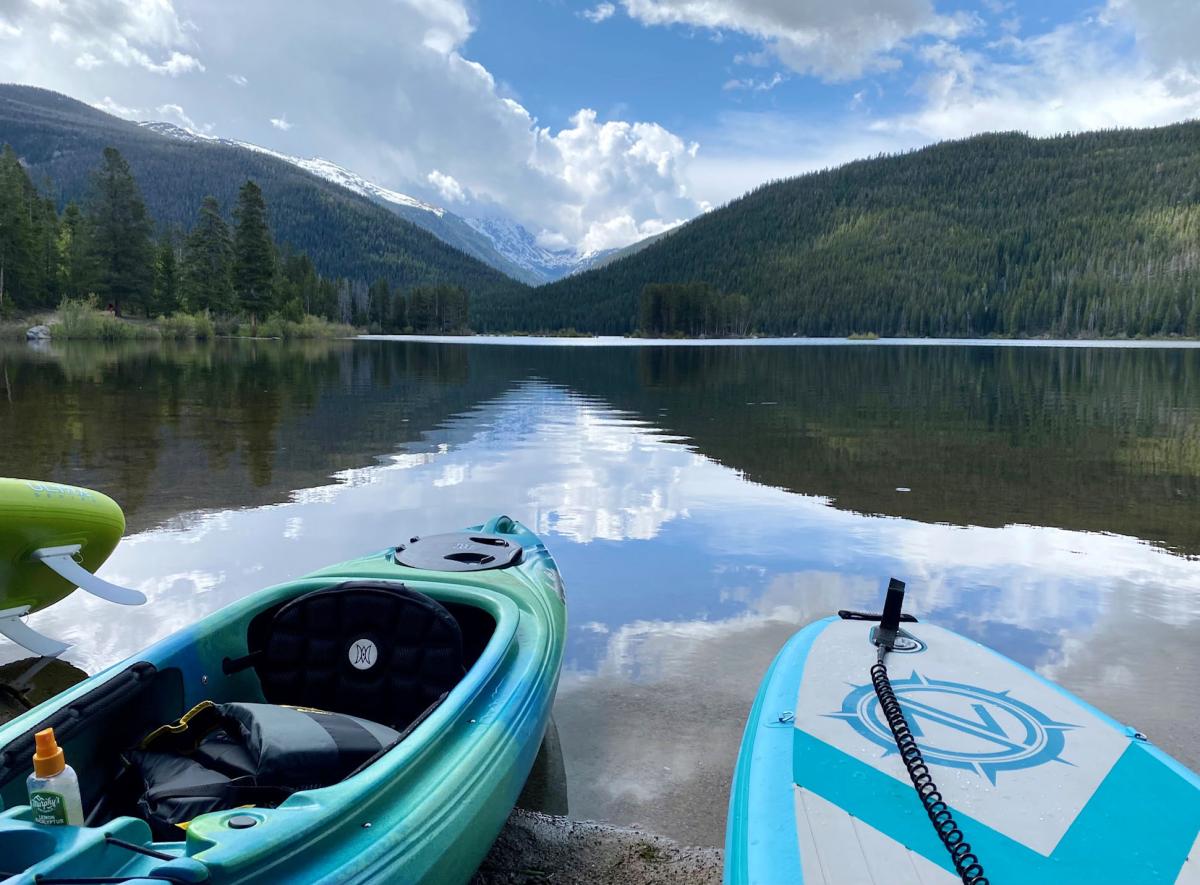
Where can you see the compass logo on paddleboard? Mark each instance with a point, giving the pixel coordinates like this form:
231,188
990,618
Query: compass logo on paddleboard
960,726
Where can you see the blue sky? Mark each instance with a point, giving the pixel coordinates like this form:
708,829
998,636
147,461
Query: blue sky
597,123
685,77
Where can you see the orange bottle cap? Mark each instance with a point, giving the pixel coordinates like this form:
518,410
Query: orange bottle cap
48,760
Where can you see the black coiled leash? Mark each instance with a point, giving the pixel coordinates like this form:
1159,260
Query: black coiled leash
966,864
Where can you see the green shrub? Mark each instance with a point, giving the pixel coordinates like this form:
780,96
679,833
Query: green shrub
187,326
82,319
319,327
276,326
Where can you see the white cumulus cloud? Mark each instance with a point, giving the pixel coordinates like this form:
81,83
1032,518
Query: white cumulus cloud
835,40
108,105
599,12
447,186
281,123
145,34
178,63
1166,30
175,112
752,84
1069,79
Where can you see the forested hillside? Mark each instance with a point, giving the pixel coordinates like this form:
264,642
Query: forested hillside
346,235
105,253
1082,235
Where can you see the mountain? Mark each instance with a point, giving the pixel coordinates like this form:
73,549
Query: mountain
501,242
446,226
345,231
608,256
514,241
1093,234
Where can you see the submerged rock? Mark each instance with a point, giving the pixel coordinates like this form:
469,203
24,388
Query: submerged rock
26,683
541,848
37,333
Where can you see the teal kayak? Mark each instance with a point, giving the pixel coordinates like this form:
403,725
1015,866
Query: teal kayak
861,715
440,655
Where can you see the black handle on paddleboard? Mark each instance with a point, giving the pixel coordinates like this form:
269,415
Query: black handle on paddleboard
889,623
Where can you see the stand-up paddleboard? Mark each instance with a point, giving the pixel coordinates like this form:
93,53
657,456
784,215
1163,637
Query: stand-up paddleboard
52,538
1043,787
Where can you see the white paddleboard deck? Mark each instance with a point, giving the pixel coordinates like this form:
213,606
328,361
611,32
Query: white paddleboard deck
1044,787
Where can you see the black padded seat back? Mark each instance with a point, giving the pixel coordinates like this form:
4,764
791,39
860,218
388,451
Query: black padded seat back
371,649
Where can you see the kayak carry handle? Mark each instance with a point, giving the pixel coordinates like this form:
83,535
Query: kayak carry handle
499,525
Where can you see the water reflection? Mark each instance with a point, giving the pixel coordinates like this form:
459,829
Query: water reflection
703,504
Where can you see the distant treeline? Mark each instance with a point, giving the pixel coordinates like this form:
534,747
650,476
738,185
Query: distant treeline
1096,234
692,309
109,247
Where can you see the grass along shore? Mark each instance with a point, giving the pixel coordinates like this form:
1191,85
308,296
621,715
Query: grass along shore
82,320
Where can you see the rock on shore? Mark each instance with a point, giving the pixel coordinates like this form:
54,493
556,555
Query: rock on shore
539,848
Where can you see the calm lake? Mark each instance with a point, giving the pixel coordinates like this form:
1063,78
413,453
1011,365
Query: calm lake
703,502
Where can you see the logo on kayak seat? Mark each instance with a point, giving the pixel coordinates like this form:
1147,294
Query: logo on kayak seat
960,726
363,654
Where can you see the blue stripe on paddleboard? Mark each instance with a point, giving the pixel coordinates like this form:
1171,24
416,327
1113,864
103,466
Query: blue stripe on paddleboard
762,800
1137,827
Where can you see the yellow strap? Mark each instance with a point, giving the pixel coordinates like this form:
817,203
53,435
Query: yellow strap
178,727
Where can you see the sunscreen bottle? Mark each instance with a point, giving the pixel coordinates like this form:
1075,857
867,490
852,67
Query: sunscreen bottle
53,786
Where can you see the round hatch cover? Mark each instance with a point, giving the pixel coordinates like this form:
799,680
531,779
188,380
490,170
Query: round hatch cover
459,552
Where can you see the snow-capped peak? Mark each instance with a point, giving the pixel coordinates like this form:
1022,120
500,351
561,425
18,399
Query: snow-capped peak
500,241
318,166
515,242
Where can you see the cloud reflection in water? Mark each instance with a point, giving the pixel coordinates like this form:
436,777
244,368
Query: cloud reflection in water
683,581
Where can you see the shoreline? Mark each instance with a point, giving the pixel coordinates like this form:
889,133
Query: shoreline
621,341
535,847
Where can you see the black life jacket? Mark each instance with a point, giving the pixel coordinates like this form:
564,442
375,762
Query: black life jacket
220,756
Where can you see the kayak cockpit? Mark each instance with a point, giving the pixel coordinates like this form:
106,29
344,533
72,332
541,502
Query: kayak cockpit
331,677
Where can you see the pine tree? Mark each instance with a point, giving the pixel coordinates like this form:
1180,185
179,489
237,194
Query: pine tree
253,254
16,248
121,235
48,252
166,277
421,309
207,282
398,319
78,269
379,298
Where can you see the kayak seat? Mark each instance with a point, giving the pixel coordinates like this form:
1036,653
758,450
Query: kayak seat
372,649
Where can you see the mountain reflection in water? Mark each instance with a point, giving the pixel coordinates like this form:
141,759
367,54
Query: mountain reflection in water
702,502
